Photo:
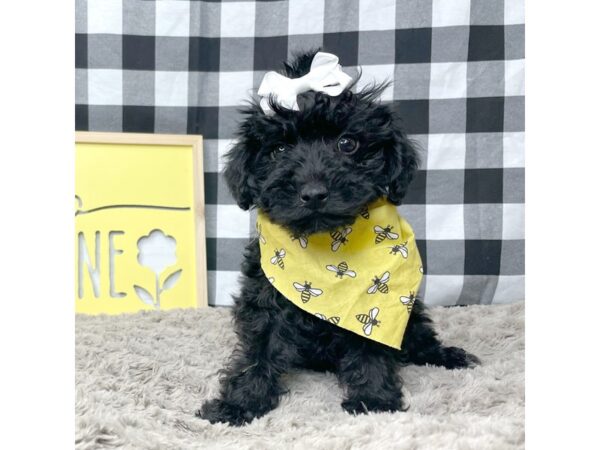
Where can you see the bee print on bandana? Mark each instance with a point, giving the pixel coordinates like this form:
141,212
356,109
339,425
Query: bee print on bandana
364,212
369,320
278,258
334,320
339,238
399,248
409,301
271,280
380,284
302,240
261,237
307,291
341,269
381,234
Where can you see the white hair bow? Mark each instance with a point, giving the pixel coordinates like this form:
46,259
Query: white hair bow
325,75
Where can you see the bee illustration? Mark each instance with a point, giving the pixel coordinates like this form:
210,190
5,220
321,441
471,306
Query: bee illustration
302,240
364,212
278,258
421,269
271,280
409,301
307,291
339,238
261,238
399,248
369,320
382,234
335,320
341,269
380,284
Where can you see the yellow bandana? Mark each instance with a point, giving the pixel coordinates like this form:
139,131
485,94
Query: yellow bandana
362,278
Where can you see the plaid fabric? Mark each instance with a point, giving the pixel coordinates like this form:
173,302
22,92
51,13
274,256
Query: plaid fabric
458,72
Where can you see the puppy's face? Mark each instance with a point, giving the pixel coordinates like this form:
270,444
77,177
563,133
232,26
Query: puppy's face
314,169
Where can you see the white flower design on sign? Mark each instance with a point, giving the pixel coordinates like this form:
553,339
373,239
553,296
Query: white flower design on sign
157,251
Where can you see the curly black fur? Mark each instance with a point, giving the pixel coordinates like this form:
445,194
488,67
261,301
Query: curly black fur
275,157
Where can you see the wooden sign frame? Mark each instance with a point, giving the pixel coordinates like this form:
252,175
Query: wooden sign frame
194,141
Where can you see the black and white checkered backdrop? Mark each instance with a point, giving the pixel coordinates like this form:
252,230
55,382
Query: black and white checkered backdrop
458,71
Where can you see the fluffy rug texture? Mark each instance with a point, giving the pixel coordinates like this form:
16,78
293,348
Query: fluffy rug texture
140,377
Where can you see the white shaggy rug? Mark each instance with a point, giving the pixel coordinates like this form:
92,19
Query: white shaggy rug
140,377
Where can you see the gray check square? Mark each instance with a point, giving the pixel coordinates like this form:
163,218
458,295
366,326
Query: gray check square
223,195
210,221
485,79
237,54
105,51
413,14
484,12
172,53
253,215
341,15
445,257
171,120
514,41
139,17
513,185
513,257
411,81
138,87
81,83
205,19
211,155
211,282
81,16
448,115
105,118
203,89
420,142
229,120
445,187
230,252
449,44
415,215
484,150
478,289
271,19
483,221
376,47
514,113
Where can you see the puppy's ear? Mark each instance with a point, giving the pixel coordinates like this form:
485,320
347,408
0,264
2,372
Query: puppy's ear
402,163
238,175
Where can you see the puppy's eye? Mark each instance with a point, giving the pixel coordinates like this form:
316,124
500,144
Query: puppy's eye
347,145
278,150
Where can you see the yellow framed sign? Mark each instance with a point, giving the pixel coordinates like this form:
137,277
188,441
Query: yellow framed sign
139,222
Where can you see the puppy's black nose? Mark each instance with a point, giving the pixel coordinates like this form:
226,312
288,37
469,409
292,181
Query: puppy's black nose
314,195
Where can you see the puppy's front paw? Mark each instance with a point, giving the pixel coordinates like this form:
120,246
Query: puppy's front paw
219,411
457,358
366,405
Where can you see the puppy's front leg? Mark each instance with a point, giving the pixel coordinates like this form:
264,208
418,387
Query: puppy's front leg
371,380
251,384
250,387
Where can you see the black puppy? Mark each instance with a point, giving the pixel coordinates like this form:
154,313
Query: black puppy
313,170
